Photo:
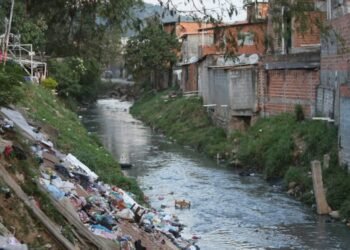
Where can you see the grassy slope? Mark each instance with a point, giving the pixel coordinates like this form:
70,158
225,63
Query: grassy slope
278,146
183,119
70,136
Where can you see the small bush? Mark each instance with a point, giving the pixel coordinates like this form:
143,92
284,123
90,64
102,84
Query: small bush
345,209
299,176
11,77
293,174
338,187
299,113
49,83
278,157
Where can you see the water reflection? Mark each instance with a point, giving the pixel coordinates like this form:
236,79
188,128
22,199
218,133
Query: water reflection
228,211
112,121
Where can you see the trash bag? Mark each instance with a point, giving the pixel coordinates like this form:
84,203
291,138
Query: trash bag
126,214
108,221
55,192
138,245
62,170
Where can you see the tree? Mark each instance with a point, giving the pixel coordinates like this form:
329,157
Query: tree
151,52
78,28
11,79
31,30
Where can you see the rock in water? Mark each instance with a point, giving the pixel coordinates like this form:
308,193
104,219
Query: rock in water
334,214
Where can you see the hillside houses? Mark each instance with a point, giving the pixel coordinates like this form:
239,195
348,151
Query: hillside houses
248,69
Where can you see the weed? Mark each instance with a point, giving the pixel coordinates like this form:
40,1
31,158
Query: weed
299,113
338,186
299,176
345,209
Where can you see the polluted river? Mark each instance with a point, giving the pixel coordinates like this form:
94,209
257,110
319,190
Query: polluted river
227,211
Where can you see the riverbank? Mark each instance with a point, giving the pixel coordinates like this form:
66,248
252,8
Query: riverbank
90,202
279,147
69,135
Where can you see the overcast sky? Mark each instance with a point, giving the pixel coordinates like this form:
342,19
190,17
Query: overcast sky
217,5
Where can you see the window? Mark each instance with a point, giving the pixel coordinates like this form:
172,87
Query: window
245,38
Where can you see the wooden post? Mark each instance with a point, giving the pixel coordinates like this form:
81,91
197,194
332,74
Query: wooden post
321,202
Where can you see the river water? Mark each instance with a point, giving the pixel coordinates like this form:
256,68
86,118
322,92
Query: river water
228,211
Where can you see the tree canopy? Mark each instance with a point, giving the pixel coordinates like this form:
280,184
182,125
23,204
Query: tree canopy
152,49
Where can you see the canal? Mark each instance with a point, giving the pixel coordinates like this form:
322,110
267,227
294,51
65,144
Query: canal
228,211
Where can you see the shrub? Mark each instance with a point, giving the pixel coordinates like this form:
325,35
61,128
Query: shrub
278,157
10,80
345,209
299,176
49,83
293,174
338,187
299,113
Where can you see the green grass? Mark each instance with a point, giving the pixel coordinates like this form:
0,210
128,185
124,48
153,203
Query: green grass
71,137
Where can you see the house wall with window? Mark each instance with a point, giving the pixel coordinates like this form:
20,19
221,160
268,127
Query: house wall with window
301,33
192,42
241,38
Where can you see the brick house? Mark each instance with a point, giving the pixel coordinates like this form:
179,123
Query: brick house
292,64
333,94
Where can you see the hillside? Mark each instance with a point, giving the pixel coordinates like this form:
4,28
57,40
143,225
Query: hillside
49,198
149,10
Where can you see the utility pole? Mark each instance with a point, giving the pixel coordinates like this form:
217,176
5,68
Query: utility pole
8,32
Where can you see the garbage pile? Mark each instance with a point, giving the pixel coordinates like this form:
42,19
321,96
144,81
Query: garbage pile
100,206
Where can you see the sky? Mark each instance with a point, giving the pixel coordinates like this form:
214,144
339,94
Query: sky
217,5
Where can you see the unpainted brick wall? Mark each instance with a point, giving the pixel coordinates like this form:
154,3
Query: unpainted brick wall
286,88
311,35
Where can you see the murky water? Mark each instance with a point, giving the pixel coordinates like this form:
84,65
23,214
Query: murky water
228,211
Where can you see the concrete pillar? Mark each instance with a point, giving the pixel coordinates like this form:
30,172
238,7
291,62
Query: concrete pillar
326,159
321,202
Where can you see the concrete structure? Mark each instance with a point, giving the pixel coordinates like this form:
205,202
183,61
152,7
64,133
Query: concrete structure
333,95
321,202
230,86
